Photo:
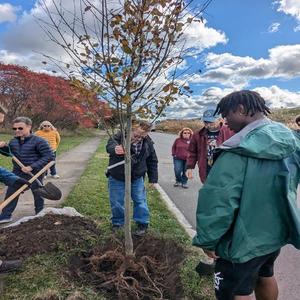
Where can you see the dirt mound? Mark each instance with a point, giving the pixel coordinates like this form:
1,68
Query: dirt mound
50,233
152,274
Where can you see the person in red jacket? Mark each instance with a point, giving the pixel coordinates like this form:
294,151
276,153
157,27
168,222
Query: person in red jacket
180,153
203,143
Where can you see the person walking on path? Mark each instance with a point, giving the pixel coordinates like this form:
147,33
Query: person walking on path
50,134
34,152
144,160
203,143
247,208
180,153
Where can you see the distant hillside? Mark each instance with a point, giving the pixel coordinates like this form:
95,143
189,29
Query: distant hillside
286,116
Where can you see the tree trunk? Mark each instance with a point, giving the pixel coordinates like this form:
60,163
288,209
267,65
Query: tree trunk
127,228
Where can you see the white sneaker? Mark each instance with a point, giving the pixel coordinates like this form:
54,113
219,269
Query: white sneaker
55,176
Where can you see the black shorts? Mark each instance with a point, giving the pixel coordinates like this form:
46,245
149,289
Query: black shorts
233,279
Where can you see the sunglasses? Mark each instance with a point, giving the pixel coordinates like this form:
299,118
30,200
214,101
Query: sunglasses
186,133
18,128
46,126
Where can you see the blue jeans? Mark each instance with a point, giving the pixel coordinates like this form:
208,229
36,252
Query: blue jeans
179,169
116,197
38,200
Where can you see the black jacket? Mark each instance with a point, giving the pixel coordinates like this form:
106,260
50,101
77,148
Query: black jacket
145,162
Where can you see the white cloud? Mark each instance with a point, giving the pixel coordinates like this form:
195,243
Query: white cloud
236,71
193,107
199,36
297,28
274,27
289,7
8,12
276,97
26,39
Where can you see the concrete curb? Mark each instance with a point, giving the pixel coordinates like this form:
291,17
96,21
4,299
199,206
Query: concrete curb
176,212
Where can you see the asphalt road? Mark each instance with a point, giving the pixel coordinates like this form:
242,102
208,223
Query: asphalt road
287,268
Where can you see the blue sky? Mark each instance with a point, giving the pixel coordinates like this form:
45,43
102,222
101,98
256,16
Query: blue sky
244,45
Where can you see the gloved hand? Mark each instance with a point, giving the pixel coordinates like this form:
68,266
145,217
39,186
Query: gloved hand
20,182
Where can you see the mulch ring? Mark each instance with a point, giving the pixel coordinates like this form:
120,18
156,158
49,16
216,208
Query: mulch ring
153,273
51,233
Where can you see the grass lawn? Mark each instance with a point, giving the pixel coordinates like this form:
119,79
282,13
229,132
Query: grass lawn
42,277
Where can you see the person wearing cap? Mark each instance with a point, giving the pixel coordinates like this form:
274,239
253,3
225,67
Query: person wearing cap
203,143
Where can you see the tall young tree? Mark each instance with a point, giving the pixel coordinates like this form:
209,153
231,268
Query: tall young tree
128,52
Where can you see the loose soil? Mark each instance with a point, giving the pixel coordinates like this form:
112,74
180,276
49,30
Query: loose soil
152,273
51,233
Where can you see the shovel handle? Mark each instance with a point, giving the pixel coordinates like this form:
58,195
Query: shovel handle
24,187
22,166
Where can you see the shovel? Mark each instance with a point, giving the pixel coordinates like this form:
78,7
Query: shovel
49,190
25,186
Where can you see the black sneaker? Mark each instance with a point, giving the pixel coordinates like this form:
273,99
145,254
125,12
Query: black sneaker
205,269
141,229
10,265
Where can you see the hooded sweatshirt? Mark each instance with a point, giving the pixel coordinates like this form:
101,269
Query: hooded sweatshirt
248,205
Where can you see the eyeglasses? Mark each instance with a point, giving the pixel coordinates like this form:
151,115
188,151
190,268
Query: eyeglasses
18,128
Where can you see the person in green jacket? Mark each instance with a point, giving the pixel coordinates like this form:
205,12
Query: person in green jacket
247,209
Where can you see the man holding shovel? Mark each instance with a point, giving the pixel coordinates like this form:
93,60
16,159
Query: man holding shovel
34,152
10,179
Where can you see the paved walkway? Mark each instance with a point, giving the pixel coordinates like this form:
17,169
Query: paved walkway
70,166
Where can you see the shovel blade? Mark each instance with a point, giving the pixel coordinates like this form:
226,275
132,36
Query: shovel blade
49,191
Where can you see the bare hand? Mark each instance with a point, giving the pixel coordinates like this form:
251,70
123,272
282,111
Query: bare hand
151,185
119,150
189,173
26,169
2,144
210,254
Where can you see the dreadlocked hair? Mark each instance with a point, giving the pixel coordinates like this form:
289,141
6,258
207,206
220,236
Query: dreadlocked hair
252,101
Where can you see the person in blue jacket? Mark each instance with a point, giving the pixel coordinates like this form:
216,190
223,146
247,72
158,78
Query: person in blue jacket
34,152
10,179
